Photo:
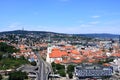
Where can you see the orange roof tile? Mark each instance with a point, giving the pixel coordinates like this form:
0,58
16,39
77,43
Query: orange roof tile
77,61
2,41
55,49
91,60
56,53
116,54
64,61
106,64
75,52
57,61
69,47
64,53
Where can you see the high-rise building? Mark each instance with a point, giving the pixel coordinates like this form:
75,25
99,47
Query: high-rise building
93,71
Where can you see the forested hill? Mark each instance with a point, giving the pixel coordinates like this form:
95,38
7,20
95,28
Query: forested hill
96,35
104,35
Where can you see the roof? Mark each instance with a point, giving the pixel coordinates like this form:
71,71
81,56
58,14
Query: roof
106,64
75,52
22,46
57,61
57,53
91,60
116,54
77,61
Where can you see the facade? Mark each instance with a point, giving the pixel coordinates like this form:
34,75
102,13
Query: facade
116,65
93,71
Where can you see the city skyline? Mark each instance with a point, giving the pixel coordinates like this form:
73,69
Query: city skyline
63,16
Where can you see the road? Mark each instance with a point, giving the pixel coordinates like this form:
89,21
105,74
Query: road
43,68
27,68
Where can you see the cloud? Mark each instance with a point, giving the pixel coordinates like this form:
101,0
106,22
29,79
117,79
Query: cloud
88,27
94,22
14,25
89,24
85,25
95,16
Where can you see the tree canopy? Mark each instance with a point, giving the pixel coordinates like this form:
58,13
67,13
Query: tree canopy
18,75
6,60
0,77
59,69
7,48
70,70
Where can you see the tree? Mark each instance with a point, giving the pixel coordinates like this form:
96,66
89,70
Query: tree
1,77
18,75
7,48
70,68
70,75
1,55
59,66
62,72
59,69
33,63
53,64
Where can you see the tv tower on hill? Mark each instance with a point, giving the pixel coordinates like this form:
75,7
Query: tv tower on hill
22,28
119,42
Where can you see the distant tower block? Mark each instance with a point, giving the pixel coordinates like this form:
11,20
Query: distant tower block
49,39
119,42
23,29
119,38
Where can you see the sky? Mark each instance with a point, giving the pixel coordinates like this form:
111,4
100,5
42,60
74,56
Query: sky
62,16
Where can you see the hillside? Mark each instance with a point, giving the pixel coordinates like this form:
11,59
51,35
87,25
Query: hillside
102,35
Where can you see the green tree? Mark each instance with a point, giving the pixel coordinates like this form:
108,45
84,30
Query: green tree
62,72
33,63
1,55
59,69
7,63
70,75
53,64
59,66
1,77
70,68
18,75
7,48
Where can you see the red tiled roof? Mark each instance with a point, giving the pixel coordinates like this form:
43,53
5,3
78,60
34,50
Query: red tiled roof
91,60
77,61
57,61
75,52
106,64
69,47
64,61
56,53
116,54
55,49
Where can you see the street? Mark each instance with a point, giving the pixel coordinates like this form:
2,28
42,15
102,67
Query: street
43,68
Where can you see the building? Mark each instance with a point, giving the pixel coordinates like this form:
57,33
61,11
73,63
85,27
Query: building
92,71
116,65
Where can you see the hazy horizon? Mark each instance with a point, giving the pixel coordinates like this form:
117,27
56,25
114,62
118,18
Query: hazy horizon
61,16
59,32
